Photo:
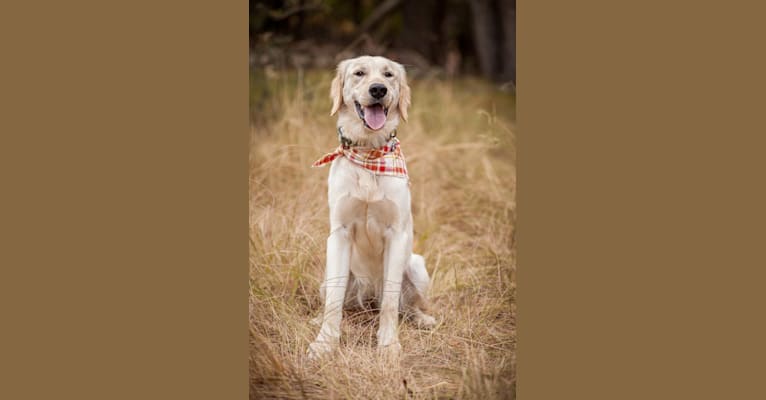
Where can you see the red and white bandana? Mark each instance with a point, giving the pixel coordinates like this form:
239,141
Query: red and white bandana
386,160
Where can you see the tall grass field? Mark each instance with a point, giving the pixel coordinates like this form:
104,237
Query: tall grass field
460,149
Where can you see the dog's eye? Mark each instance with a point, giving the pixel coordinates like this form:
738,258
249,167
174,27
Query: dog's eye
359,73
388,74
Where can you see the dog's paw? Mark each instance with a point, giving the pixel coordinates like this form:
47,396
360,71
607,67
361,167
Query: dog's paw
390,352
319,349
424,321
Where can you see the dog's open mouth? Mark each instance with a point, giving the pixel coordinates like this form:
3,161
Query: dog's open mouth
374,115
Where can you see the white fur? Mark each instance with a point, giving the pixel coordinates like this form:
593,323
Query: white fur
369,249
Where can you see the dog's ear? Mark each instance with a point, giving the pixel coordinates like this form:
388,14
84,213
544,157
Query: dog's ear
336,87
404,93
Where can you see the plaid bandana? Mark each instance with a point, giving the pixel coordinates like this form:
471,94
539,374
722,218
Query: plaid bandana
386,160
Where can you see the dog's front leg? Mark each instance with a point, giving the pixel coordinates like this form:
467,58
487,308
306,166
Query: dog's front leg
394,258
336,278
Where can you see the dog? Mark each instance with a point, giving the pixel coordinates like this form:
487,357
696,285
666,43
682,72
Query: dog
369,249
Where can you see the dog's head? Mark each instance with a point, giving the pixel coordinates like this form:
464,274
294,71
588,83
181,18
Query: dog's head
370,93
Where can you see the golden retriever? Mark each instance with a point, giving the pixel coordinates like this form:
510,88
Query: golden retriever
369,248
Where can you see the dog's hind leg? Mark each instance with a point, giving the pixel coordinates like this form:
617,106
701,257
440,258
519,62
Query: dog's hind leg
415,292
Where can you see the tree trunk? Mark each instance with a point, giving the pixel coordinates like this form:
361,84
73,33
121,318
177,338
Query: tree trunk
420,27
508,15
494,27
484,32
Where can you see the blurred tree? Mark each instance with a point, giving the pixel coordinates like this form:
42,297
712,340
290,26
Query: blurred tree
421,28
494,26
456,35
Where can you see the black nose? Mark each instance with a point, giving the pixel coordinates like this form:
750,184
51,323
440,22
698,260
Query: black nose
378,90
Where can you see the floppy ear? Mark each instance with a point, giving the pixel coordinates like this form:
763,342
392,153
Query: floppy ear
336,88
404,93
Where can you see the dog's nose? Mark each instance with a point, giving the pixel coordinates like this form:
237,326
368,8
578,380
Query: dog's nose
378,90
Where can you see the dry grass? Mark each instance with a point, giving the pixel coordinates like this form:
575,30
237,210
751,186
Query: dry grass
460,153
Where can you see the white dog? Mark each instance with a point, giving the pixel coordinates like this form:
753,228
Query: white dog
369,250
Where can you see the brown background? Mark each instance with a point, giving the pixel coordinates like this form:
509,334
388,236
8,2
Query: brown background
123,163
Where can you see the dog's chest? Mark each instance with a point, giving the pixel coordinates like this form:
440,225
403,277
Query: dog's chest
366,203
367,211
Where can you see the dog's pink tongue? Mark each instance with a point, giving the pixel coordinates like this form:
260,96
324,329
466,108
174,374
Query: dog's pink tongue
374,116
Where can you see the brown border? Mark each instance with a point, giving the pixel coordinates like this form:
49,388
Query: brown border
640,200
124,154
124,168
